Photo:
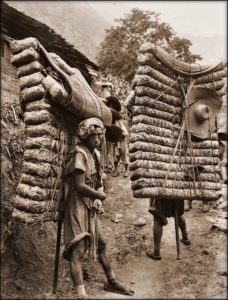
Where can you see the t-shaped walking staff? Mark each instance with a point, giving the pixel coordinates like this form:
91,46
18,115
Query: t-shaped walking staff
57,251
58,239
177,231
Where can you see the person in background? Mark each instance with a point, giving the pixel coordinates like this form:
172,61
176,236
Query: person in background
161,210
119,149
122,151
105,88
83,197
205,206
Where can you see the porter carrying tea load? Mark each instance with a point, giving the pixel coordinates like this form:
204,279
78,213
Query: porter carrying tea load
54,98
174,148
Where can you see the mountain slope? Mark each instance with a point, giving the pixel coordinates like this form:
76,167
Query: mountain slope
79,25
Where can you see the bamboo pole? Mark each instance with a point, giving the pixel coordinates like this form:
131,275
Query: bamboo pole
177,231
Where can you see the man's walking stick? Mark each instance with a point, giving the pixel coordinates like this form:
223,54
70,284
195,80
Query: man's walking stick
57,251
177,231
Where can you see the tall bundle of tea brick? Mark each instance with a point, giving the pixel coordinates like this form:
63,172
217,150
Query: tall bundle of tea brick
49,89
174,149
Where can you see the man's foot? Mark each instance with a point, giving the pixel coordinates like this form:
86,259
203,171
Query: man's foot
205,208
116,287
115,174
189,205
153,255
188,208
185,241
125,174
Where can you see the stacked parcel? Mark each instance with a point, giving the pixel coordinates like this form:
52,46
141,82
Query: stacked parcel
53,98
166,161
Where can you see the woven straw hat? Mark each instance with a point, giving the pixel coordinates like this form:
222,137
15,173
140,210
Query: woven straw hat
204,104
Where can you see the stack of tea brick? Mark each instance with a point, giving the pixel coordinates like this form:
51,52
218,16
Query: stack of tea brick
39,191
163,162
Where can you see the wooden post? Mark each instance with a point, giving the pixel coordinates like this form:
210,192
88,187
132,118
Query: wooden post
177,232
57,251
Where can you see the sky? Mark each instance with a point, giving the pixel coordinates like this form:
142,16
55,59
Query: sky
206,18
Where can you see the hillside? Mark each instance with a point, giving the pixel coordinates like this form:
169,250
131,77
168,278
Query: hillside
79,25
84,26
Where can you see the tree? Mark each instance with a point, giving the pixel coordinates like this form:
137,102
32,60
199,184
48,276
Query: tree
118,52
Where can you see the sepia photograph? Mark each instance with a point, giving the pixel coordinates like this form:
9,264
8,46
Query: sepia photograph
113,150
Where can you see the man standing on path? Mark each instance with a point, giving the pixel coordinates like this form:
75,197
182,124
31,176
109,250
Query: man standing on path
83,191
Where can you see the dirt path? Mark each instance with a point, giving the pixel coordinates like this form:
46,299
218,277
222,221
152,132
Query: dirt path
200,274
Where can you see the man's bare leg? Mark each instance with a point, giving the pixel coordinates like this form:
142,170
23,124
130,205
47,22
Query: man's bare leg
116,166
183,228
113,284
77,254
126,170
205,206
157,235
189,205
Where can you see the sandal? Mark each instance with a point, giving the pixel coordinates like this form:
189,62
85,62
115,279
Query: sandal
151,255
185,242
117,288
